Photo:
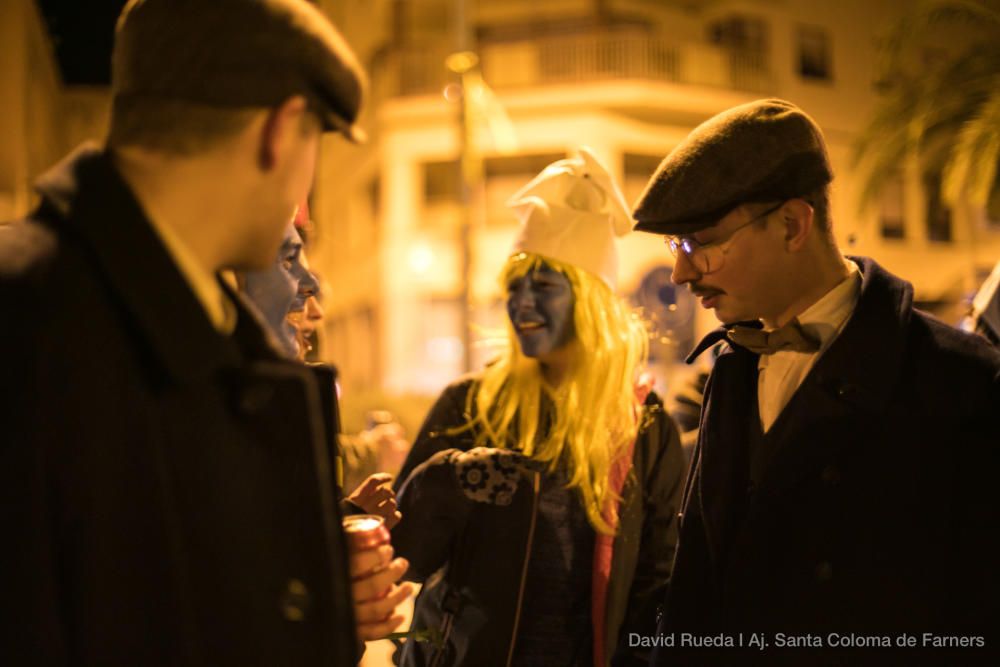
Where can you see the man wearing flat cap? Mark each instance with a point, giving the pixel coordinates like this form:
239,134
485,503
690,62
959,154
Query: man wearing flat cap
168,491
841,485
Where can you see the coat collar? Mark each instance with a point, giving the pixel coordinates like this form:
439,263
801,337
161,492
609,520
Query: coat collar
851,383
863,364
94,204
864,361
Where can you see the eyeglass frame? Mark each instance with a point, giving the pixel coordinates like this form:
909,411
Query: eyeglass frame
690,246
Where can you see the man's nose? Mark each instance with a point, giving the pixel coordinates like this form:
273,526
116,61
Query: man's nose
684,271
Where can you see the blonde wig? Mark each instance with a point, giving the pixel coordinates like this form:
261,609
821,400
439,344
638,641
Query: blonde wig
589,420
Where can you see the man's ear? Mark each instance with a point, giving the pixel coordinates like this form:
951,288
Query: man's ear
797,216
280,127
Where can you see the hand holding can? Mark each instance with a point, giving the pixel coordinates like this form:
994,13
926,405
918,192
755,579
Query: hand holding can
374,574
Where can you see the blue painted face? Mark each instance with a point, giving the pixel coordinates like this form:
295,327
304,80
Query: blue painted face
274,290
540,306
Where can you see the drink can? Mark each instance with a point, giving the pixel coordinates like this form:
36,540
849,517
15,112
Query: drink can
365,531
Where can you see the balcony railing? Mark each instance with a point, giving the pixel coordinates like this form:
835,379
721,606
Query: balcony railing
579,59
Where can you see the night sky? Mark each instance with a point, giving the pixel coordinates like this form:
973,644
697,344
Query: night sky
82,32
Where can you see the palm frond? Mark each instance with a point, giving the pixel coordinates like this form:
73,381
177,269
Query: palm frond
971,171
913,29
947,114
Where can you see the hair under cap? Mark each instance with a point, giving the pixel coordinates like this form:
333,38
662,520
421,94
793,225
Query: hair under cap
767,150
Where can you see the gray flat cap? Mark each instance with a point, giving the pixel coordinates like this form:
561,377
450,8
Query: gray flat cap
238,53
767,150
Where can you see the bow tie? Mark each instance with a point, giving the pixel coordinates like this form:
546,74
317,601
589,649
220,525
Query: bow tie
789,338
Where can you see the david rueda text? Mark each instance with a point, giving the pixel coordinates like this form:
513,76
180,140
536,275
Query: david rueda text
690,640
760,641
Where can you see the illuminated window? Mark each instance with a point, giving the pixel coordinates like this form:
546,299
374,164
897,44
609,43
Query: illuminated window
938,214
505,175
639,168
891,210
815,58
442,181
738,32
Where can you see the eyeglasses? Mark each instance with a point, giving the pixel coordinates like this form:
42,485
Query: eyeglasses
710,257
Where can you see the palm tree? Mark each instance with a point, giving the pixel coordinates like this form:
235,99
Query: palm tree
941,102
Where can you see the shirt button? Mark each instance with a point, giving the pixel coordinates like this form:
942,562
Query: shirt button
295,601
845,390
824,571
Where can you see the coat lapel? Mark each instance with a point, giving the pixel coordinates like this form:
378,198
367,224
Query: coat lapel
722,443
848,387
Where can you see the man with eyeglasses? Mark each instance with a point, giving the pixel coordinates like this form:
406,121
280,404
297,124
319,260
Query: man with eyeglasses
839,496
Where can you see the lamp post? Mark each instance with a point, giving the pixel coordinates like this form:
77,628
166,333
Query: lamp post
466,65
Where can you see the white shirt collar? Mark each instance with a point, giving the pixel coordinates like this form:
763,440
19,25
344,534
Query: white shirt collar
827,317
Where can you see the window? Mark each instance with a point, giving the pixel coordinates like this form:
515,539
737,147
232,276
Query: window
815,58
639,168
505,175
743,33
892,207
374,195
938,215
439,352
442,181
993,204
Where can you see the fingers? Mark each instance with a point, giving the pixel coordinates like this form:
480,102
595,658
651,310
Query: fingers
375,585
370,560
385,509
374,631
372,482
393,518
376,619
378,495
378,611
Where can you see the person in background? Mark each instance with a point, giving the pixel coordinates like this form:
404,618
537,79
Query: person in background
165,474
276,291
847,456
306,312
282,293
539,498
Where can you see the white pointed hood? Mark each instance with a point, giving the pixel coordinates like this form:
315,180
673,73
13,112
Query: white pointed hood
572,212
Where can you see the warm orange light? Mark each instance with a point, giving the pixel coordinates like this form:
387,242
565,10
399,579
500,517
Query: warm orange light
461,62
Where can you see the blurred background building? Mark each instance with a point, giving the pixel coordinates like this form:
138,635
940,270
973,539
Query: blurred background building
398,222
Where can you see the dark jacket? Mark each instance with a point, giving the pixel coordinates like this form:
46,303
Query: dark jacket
877,513
167,491
483,546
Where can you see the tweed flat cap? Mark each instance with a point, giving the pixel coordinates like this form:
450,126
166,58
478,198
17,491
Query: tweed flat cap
238,53
767,150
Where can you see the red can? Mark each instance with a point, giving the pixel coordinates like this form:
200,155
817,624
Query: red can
365,531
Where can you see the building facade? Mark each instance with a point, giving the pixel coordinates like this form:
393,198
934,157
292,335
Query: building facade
629,78
397,224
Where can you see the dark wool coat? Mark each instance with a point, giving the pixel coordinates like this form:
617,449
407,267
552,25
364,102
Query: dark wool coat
877,514
167,493
482,546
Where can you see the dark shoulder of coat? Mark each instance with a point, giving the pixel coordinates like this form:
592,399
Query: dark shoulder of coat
957,374
448,412
27,252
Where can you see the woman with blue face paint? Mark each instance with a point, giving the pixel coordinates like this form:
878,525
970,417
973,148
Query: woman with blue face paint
540,496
